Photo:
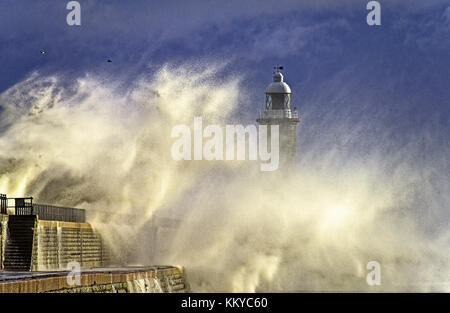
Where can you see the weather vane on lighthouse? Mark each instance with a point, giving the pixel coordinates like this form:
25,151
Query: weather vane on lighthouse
278,68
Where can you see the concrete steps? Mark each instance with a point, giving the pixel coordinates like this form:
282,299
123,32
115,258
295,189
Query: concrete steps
19,245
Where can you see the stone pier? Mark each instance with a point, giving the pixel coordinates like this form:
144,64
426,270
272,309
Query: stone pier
153,279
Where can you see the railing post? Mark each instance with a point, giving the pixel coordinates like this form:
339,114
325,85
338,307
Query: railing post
3,204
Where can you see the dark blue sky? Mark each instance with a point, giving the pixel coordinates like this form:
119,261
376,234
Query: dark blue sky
314,42
393,78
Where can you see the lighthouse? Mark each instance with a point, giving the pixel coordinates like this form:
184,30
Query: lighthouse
277,111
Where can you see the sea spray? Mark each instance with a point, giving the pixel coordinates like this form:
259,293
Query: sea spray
93,146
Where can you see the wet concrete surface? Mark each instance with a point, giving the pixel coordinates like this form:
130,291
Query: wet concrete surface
16,276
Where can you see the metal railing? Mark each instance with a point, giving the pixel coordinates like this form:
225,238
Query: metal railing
25,206
278,114
3,204
56,213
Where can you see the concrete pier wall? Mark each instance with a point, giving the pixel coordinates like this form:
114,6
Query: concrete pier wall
144,280
56,244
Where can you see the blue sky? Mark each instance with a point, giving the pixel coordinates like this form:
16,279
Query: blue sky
312,41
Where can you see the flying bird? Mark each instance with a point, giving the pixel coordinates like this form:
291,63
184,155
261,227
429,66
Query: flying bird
109,61
43,52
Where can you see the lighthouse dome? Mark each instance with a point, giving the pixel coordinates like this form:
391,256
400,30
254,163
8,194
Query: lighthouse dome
278,85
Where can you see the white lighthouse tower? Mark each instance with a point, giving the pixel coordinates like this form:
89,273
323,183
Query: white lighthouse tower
278,111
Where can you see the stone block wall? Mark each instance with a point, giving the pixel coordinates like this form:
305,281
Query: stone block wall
58,243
